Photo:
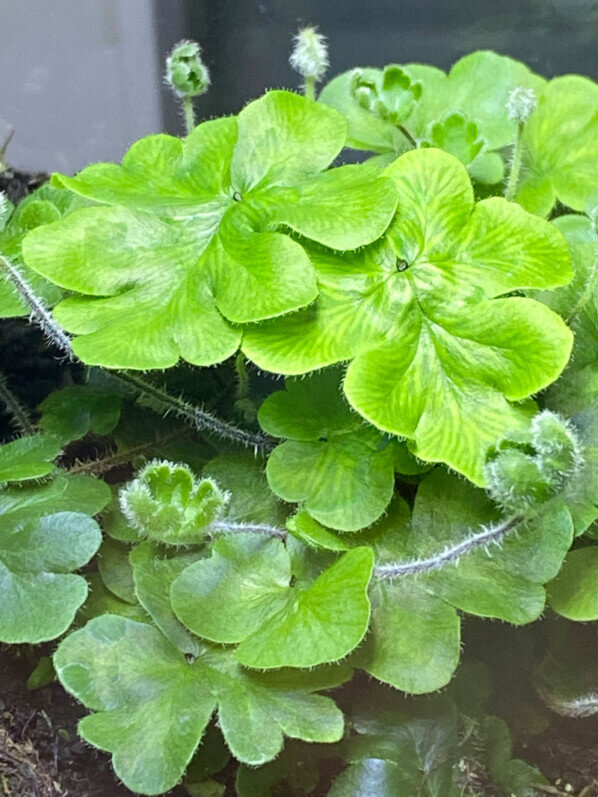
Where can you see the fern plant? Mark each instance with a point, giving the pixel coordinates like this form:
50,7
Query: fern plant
431,456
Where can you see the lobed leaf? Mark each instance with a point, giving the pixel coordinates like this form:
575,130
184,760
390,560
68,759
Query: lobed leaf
438,352
277,625
187,246
339,469
126,672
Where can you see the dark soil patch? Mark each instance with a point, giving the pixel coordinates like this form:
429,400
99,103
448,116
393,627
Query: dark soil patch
40,752
17,184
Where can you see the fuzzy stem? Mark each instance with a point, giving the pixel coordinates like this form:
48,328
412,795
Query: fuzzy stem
515,167
39,313
242,376
195,416
188,113
452,554
309,87
115,458
229,527
15,409
407,135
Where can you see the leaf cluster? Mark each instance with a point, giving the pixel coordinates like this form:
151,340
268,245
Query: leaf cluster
429,456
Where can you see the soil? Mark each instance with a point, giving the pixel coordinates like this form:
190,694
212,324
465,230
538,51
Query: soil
40,752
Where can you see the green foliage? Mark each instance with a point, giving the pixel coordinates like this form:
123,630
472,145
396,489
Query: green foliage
277,625
72,412
105,663
200,249
44,206
28,458
46,532
438,336
476,89
561,147
341,469
438,354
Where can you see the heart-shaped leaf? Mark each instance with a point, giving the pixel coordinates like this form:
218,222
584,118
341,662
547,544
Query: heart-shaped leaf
188,242
75,410
341,469
46,532
28,458
39,593
277,625
438,352
127,672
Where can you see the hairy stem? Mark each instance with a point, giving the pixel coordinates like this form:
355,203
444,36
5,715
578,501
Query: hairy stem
229,527
515,167
407,135
189,114
115,458
309,88
195,416
452,554
15,409
39,313
242,376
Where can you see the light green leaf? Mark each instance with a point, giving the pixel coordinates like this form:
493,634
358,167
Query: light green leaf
561,147
75,410
277,625
438,352
153,575
190,245
573,592
115,569
28,458
341,470
63,494
126,672
577,302
476,89
244,478
45,533
44,206
39,593
413,642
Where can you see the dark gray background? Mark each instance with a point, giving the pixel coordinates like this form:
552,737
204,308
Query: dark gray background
80,80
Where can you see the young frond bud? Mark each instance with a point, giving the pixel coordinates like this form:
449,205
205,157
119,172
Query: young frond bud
521,103
528,468
185,70
390,96
310,54
168,504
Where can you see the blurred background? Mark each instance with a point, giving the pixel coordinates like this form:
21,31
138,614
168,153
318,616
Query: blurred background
80,81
